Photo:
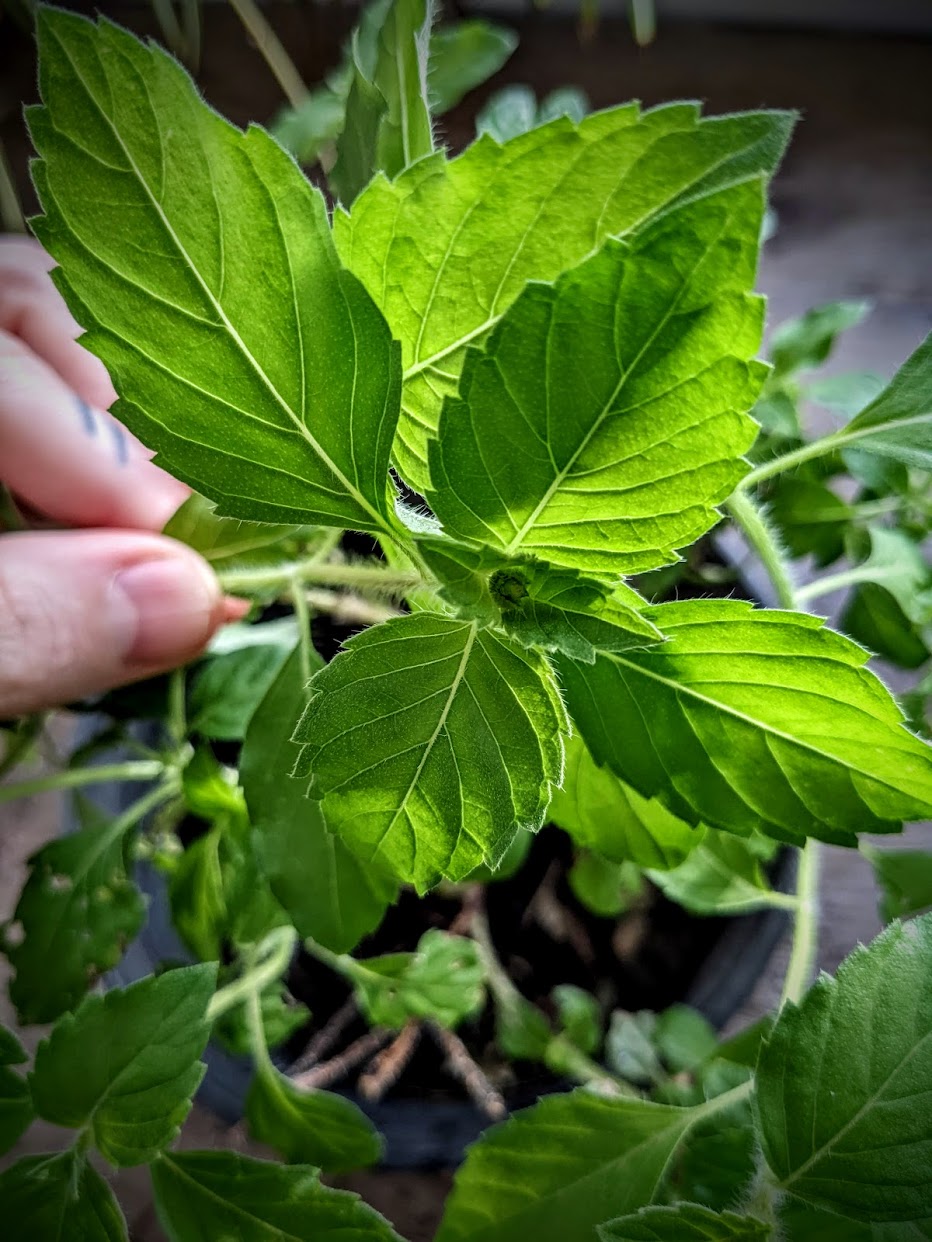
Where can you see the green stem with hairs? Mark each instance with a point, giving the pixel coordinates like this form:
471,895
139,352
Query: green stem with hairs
311,572
75,778
272,959
748,515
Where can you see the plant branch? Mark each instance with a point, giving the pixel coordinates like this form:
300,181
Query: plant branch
388,1065
272,51
311,572
338,1067
806,925
327,1036
272,959
749,517
75,778
838,582
463,1067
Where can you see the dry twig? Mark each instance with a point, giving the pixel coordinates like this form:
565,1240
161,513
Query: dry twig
326,1037
326,1072
387,1067
462,1065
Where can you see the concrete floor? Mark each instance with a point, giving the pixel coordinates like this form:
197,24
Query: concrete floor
854,202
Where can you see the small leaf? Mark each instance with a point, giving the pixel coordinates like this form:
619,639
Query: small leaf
599,426
444,980
432,743
12,1051
898,423
202,1196
328,894
604,887
508,113
244,387
78,910
16,1111
843,1084
309,1126
306,129
228,688
906,879
685,1222
59,1199
684,1038
225,542
749,720
722,876
281,1018
137,1049
807,341
811,518
891,613
447,247
559,1169
462,57
521,1030
630,1049
578,1016
603,814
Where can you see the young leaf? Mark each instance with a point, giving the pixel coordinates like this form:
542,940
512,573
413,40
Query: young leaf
12,1051
124,1065
463,56
906,879
604,887
245,388
684,1039
843,1084
722,876
807,341
629,1047
606,415
202,1196
228,688
225,542
281,1017
898,423
753,720
559,1169
59,1198
811,518
76,913
443,980
328,894
508,113
447,247
16,1111
309,1126
432,743
891,613
579,1016
685,1222
603,814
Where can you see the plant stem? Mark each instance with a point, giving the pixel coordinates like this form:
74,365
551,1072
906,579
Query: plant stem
838,582
11,213
177,707
273,958
806,926
748,515
303,617
74,778
353,577
272,50
815,448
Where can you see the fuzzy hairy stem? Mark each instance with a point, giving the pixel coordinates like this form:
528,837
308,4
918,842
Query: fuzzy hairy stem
75,778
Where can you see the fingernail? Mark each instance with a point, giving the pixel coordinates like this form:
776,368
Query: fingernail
175,601
233,609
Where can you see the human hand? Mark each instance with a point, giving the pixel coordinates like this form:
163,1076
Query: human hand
84,610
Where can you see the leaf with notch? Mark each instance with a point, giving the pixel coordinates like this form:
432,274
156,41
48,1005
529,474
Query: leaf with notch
77,912
898,422
602,813
444,980
202,1196
843,1084
432,743
753,720
328,894
276,398
723,875
448,246
309,1126
59,1198
559,1169
606,415
137,1049
685,1222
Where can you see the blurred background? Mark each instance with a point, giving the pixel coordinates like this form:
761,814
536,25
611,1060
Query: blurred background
852,220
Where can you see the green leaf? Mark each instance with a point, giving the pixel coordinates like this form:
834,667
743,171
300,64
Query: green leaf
559,1169
891,613
685,1222
564,101
227,689
203,1196
357,155
898,423
281,1018
722,876
76,913
578,1016
225,542
521,1030
807,341
444,980
245,388
844,1079
309,1126
305,130
684,1038
510,112
448,246
806,1224
137,1049
59,1199
629,1047
748,719
16,1111
603,814
432,743
604,887
462,57
12,1051
608,410
328,894
811,518
906,879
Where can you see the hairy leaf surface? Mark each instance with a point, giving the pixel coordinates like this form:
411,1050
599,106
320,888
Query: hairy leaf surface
844,1080
606,415
200,261
202,1196
432,743
447,247
685,1222
125,1065
749,719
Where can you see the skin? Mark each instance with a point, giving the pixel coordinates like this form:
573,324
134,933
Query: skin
91,597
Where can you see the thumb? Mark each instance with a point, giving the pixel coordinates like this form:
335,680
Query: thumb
81,612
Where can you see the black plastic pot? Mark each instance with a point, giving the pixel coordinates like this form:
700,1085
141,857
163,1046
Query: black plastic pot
423,1133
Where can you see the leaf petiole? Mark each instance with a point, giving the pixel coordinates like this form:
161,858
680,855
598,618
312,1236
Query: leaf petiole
272,959
312,572
75,778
